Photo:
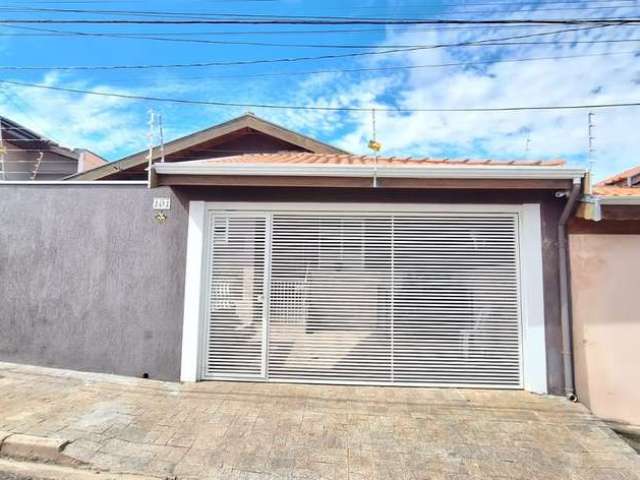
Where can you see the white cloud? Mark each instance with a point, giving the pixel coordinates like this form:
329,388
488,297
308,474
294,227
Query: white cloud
115,127
553,134
106,125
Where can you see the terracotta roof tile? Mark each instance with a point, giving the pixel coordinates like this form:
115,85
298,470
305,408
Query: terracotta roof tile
347,159
620,177
613,191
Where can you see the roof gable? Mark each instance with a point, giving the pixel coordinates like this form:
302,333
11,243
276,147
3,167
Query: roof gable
199,144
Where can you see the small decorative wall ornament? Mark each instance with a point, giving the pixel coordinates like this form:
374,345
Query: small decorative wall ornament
160,217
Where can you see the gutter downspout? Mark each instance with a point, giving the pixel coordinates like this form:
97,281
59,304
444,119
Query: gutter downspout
565,301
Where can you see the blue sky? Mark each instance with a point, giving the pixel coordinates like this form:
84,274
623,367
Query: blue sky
598,66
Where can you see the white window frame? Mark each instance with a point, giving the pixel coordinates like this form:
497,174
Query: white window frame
534,364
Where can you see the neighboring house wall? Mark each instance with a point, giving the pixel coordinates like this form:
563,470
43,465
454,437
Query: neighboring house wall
606,321
88,160
90,280
22,164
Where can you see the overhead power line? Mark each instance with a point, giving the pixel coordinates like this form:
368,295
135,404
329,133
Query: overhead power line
412,67
316,107
452,9
464,3
447,3
292,59
512,9
198,15
406,67
306,31
486,42
322,21
292,45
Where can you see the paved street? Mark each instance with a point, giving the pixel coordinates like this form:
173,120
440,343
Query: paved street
11,476
225,430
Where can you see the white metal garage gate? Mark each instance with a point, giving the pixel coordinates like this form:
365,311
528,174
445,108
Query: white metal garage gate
355,297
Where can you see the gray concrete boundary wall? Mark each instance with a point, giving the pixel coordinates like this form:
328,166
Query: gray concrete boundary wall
89,280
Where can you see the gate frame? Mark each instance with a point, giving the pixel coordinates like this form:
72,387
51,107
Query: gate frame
528,241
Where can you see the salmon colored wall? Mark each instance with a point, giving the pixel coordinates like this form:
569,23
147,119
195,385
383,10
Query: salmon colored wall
606,323
90,160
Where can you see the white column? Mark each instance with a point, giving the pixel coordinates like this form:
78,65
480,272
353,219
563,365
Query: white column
191,326
532,287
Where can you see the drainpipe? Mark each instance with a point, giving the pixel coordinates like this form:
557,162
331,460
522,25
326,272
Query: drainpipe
565,301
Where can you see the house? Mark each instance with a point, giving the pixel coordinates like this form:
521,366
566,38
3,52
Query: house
26,155
605,261
262,254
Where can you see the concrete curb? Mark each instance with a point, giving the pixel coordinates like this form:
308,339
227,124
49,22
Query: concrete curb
30,447
3,436
58,472
629,433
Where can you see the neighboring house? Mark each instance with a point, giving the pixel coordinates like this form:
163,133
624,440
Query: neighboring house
605,261
25,155
276,257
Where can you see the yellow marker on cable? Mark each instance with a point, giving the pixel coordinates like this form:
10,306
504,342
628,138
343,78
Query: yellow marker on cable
375,145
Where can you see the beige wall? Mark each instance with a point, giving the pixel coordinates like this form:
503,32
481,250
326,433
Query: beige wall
89,160
605,273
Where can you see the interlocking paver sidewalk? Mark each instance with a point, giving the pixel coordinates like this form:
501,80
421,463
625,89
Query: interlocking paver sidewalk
226,430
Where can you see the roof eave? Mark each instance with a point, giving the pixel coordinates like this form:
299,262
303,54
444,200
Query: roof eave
591,208
511,172
618,200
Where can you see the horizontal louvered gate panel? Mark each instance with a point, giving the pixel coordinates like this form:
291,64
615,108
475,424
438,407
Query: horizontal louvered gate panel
427,299
456,302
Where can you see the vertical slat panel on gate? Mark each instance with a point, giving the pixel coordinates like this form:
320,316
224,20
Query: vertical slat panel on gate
234,333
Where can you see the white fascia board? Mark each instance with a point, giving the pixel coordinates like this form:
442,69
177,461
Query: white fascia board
629,200
611,200
489,172
485,172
